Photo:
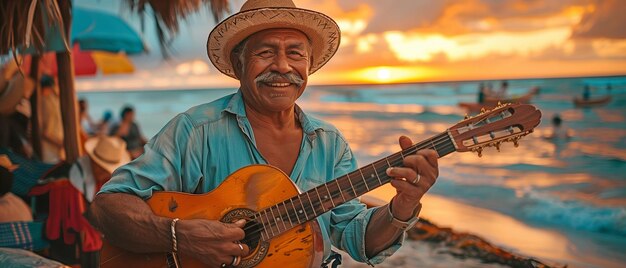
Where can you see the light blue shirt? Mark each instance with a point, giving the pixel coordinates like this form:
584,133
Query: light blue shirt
199,148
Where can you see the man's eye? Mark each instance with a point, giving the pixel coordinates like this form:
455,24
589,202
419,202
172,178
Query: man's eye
296,53
266,53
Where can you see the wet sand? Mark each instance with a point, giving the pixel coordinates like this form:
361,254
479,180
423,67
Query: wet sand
550,246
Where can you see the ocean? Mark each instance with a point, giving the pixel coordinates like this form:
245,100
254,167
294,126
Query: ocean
574,186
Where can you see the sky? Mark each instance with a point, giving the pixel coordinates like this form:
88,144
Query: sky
398,41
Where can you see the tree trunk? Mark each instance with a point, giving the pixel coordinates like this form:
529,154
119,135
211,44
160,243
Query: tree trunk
35,104
69,113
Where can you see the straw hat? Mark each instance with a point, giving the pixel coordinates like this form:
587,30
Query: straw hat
258,15
5,162
13,91
108,152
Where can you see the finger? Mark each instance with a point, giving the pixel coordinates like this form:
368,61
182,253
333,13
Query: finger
232,248
402,172
405,142
245,251
233,232
421,165
431,156
408,189
227,259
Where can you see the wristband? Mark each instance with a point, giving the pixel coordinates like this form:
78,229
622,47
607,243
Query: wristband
174,241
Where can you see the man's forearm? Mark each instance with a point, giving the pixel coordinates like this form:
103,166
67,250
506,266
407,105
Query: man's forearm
380,234
127,222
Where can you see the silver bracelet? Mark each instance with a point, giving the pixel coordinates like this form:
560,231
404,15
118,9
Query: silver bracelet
174,241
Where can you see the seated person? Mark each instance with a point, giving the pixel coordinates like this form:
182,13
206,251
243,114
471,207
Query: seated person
128,130
12,208
91,171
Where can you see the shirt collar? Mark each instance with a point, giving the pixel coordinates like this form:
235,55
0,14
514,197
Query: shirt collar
236,106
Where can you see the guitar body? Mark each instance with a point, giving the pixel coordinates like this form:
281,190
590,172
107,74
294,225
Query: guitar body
249,189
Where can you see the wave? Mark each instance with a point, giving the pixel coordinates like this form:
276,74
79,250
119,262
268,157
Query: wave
537,207
544,208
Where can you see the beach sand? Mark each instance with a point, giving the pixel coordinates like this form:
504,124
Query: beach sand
548,246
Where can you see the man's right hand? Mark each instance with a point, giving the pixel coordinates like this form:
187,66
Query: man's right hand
211,242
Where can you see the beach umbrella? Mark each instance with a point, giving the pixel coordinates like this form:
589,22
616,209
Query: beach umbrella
97,30
86,63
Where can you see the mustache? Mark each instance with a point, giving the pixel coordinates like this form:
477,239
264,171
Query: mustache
270,77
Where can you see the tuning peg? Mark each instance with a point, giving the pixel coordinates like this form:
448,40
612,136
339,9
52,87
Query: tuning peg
479,150
516,142
482,110
466,117
497,145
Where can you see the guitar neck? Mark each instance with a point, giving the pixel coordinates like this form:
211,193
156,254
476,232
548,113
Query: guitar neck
312,203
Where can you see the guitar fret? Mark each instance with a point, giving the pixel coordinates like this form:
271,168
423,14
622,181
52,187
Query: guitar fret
269,223
310,202
295,211
351,186
275,219
330,195
254,217
280,217
306,216
365,181
320,198
287,212
340,191
387,159
376,172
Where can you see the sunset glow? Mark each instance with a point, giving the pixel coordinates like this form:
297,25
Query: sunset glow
420,41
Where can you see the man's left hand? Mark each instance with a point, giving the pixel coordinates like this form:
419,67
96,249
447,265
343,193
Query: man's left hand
413,180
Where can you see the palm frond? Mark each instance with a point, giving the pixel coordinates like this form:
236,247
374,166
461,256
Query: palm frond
169,14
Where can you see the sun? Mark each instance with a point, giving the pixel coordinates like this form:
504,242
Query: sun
383,74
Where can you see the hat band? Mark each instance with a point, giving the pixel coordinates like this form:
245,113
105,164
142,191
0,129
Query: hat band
105,159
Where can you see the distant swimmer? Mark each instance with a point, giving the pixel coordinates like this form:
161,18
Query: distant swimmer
558,131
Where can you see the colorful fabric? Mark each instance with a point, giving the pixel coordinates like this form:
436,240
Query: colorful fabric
198,149
66,215
21,234
29,171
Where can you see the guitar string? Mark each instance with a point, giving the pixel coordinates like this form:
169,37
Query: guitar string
439,139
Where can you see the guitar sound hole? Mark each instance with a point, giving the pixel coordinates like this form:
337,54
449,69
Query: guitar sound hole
253,234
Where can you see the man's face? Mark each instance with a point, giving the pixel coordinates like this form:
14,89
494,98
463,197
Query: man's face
279,60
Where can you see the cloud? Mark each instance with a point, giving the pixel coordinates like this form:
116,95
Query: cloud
607,21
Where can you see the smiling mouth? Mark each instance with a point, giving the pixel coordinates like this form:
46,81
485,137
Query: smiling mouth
278,84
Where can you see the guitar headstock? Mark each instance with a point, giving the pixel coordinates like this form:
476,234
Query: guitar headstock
505,123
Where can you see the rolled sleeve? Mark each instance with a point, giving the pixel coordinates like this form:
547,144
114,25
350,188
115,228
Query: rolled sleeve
161,166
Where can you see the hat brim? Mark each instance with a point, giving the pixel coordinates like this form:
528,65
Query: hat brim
323,32
90,146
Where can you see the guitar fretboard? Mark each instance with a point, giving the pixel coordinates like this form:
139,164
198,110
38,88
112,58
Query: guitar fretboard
319,200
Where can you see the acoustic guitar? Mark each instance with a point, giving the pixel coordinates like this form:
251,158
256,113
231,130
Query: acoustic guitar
281,230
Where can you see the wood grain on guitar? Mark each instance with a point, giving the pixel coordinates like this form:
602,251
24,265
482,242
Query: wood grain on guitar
280,229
